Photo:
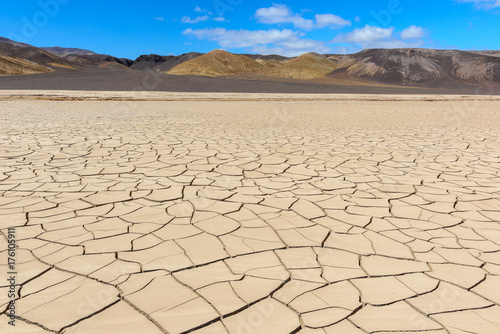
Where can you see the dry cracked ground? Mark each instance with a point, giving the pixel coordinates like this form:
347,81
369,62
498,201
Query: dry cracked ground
249,216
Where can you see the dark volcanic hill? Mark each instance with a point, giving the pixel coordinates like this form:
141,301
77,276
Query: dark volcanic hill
421,67
162,63
467,67
99,59
145,62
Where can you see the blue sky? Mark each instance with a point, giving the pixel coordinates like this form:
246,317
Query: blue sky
130,28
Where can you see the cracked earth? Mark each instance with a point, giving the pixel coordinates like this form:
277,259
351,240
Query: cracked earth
252,217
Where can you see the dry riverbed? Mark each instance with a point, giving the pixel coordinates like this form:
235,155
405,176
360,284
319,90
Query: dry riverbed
236,213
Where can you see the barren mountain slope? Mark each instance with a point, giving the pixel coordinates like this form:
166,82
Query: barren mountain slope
15,66
405,67
422,67
62,52
162,63
306,66
467,67
217,63
488,53
34,54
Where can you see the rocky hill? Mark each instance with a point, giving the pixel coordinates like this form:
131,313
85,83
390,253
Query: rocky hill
217,63
306,66
421,67
61,52
162,63
16,66
33,54
222,63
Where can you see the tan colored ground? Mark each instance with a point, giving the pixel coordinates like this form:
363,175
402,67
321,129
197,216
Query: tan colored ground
229,214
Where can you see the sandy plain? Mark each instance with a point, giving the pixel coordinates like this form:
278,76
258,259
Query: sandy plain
236,213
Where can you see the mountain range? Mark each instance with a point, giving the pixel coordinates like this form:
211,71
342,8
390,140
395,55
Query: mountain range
425,68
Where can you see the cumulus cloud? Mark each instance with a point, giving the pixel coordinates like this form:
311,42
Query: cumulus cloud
277,14
241,38
285,42
282,14
220,19
292,42
330,20
161,18
413,32
202,18
487,4
364,35
376,37
274,14
189,20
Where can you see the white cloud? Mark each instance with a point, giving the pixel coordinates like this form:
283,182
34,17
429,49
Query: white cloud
277,14
331,20
241,38
371,37
487,4
274,14
160,18
282,14
284,42
198,9
220,19
187,19
364,35
413,32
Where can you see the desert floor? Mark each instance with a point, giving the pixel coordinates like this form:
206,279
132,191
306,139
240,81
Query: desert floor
236,213
105,79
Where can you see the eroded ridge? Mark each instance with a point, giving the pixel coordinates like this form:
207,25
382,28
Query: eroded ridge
228,217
